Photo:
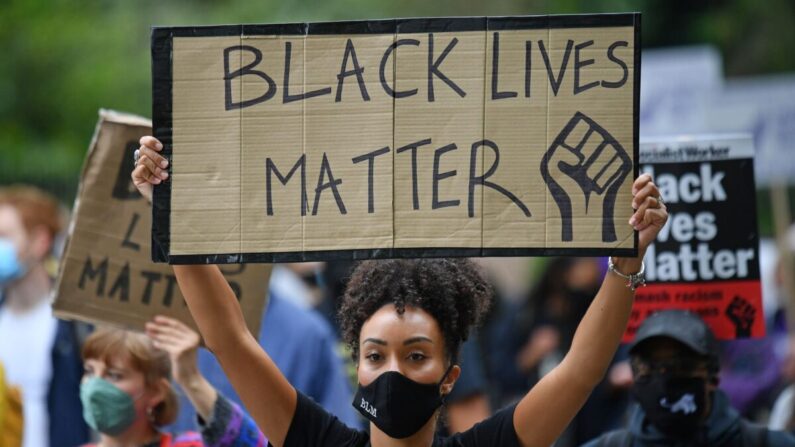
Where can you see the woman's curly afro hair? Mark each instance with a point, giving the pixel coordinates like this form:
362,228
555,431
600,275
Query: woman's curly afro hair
452,291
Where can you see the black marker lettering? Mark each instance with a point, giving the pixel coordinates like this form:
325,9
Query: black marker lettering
124,189
370,170
413,147
168,296
611,55
151,278
127,243
236,289
437,177
382,70
553,82
579,64
122,284
528,65
357,70
247,70
433,68
325,171
270,167
495,71
90,272
287,97
475,180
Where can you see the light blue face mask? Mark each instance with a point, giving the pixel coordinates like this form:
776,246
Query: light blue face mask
10,267
106,408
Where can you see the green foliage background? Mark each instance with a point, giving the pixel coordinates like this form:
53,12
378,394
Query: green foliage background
62,60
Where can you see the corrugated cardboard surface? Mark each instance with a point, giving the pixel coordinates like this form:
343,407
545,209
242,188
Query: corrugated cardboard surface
106,273
420,201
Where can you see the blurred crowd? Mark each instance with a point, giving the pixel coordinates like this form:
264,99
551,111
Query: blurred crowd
60,380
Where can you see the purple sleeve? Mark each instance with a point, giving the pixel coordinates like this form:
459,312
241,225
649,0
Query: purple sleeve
750,371
231,427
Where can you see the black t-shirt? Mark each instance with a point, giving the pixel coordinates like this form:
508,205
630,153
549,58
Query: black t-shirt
313,426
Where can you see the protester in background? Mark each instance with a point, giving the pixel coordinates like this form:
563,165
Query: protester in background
300,341
497,339
405,321
468,402
501,341
511,349
334,276
303,346
751,367
606,407
547,320
782,416
298,283
751,370
10,413
127,393
550,317
607,404
675,367
41,354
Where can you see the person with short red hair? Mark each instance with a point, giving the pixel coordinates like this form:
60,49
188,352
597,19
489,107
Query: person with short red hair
40,353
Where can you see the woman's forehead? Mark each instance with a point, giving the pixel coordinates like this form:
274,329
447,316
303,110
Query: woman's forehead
11,224
387,324
115,361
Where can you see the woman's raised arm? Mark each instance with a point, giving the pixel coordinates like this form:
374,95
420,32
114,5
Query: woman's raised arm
546,410
265,392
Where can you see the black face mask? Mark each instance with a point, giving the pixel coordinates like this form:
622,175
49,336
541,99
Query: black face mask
397,405
674,405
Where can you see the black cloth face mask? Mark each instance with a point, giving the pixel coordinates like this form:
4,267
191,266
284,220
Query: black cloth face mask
674,405
397,405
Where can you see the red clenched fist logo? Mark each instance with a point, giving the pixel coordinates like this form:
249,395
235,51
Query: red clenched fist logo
742,314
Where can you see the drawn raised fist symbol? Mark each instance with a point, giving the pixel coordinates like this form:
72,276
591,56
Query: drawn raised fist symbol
585,164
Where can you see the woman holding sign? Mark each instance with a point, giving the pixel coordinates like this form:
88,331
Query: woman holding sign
405,320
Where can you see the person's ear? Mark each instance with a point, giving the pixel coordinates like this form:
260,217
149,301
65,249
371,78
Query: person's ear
157,393
449,381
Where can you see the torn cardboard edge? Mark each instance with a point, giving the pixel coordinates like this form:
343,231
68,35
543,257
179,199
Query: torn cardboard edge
105,115
122,287
162,107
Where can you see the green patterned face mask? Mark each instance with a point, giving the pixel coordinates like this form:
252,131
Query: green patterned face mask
106,408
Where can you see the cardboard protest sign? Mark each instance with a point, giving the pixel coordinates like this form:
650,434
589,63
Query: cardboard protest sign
106,274
706,259
397,138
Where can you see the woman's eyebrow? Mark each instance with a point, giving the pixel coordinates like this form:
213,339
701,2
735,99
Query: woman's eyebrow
116,368
377,341
418,339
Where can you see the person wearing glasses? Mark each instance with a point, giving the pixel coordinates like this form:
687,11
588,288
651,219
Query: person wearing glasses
675,368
